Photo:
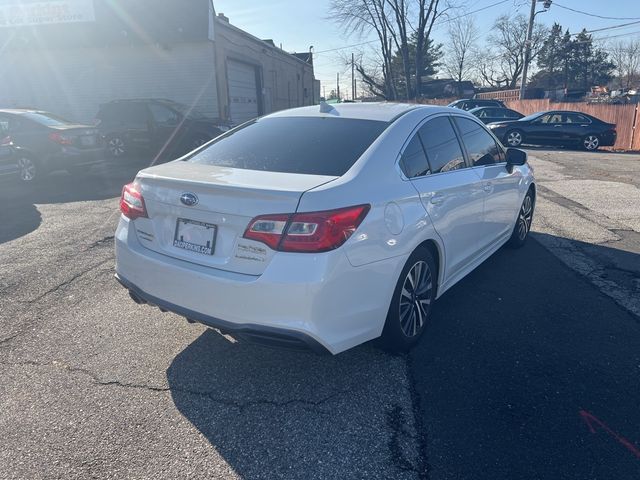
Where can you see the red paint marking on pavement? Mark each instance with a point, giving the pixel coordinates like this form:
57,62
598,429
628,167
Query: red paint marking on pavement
589,418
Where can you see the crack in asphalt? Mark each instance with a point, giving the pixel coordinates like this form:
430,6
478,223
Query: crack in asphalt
423,468
52,290
68,282
108,240
396,422
241,406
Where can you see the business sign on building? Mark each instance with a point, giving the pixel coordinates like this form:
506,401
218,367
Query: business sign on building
28,13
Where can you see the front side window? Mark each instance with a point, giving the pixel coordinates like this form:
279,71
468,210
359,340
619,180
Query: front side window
306,145
441,145
414,161
481,147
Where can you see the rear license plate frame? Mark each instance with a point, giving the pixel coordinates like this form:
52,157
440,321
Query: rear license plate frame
208,229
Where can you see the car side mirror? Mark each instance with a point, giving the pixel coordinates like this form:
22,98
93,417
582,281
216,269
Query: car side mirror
515,157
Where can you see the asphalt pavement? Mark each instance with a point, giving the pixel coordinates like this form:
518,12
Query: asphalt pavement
529,370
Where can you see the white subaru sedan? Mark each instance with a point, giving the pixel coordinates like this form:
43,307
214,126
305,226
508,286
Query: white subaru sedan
324,226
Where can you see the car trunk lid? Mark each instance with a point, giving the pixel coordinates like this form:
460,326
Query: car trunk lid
210,207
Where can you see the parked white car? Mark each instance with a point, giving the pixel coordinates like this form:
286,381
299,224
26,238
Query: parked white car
324,226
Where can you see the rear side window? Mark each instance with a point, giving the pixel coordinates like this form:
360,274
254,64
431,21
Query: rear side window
132,113
481,147
414,161
441,145
307,145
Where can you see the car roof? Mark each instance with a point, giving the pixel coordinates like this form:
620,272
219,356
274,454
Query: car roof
20,111
381,111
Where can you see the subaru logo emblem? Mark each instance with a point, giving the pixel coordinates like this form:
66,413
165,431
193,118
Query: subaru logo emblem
189,199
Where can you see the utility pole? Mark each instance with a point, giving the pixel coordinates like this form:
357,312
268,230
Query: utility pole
353,78
527,45
338,85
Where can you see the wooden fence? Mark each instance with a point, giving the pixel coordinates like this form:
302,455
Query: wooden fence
626,117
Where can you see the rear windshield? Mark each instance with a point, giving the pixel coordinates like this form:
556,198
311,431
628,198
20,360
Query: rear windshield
308,145
46,119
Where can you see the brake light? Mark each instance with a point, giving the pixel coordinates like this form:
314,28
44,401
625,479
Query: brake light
60,139
5,141
131,202
307,232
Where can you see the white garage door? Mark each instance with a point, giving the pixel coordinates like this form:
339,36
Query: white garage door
243,91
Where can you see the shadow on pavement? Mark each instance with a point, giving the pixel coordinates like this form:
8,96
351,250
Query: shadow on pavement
515,354
517,351
20,216
282,414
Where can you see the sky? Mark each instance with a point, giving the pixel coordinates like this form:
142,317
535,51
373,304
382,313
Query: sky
299,24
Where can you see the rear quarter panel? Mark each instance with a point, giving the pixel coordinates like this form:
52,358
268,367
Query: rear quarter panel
397,222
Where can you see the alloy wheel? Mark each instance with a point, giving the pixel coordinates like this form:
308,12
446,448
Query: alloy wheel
27,169
525,217
415,299
514,139
116,146
591,142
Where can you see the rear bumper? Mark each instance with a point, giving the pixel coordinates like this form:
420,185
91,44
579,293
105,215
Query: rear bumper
255,333
318,300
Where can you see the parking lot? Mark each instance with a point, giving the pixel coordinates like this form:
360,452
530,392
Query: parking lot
530,368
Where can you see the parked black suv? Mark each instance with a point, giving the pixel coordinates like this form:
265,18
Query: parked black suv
154,125
469,103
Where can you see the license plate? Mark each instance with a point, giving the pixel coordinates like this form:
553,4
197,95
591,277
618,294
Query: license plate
195,236
88,141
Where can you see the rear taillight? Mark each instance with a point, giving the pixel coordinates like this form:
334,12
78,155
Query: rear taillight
131,203
60,139
307,232
5,141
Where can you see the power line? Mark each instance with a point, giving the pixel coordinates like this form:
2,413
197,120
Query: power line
593,14
609,28
443,21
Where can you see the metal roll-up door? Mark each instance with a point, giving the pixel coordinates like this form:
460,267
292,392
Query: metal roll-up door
243,91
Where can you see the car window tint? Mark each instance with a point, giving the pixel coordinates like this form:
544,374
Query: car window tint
481,147
576,118
543,119
511,114
308,145
441,145
414,161
163,115
130,113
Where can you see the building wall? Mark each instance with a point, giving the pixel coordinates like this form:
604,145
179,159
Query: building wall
287,82
73,82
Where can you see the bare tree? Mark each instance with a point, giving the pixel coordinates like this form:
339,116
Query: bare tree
459,54
397,24
361,17
626,56
505,58
427,16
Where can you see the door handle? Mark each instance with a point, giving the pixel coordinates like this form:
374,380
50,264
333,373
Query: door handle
437,199
556,126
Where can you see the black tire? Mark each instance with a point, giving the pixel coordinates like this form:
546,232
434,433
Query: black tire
410,309
29,170
514,138
116,146
523,222
590,142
